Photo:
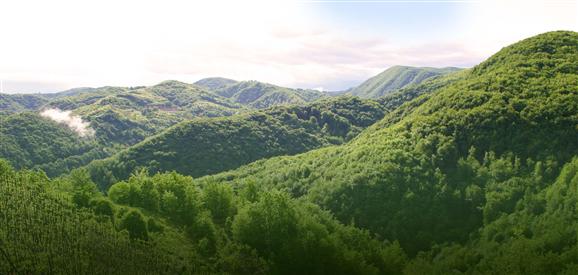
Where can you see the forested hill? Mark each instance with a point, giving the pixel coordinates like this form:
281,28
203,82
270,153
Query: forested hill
467,158
215,83
10,104
31,141
476,174
206,146
395,78
257,94
118,116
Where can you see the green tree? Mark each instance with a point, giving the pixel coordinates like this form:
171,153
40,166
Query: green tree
134,222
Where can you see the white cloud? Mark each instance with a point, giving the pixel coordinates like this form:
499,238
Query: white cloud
75,123
492,24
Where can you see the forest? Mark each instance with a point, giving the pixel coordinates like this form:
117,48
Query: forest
417,171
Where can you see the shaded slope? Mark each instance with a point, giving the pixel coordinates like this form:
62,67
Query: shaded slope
31,141
205,146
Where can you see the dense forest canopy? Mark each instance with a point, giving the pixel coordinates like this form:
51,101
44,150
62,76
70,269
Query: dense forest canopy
471,172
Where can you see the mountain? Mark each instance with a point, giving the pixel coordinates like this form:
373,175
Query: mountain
10,104
206,146
215,83
466,158
128,115
397,77
259,95
475,174
119,117
32,141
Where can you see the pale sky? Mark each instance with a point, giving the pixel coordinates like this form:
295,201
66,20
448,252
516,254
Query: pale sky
60,44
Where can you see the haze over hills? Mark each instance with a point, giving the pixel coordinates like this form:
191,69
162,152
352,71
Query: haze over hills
469,172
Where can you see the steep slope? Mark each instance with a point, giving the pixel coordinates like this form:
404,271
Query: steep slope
205,146
263,95
407,177
397,77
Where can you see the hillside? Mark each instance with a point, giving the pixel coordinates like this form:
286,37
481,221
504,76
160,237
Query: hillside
215,83
259,95
166,224
397,77
468,157
16,103
205,146
119,117
473,172
127,115
32,141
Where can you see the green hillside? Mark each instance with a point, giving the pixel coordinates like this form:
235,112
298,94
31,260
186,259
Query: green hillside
215,83
473,172
128,115
205,146
10,104
31,141
261,95
166,224
474,153
397,77
119,116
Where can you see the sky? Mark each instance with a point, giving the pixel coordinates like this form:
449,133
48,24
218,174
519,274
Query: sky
48,46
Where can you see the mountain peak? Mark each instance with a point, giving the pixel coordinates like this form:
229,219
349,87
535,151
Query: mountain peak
397,77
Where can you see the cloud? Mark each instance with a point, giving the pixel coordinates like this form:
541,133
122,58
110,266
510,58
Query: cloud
285,42
325,58
75,123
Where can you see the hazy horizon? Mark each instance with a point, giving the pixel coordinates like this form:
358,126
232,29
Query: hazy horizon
328,45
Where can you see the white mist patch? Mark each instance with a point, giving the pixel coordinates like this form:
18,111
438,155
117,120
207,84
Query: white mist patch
75,123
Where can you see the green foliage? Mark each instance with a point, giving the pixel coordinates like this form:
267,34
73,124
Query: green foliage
134,222
10,104
206,146
477,174
31,141
395,78
258,95
43,232
413,176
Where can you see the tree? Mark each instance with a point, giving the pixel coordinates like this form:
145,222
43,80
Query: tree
102,206
83,189
218,198
134,222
